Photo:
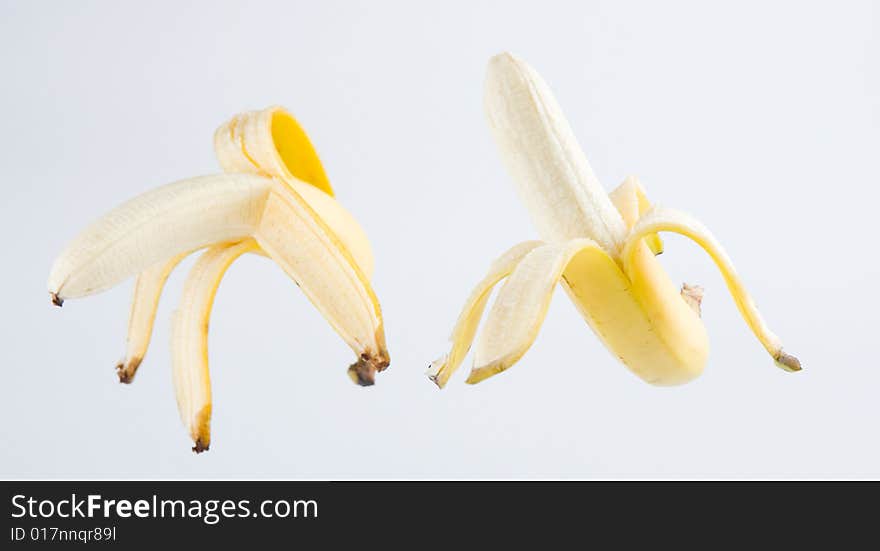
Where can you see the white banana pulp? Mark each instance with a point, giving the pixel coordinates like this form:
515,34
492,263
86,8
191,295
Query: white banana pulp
600,247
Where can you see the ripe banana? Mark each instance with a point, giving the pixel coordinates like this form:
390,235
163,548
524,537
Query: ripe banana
274,199
600,247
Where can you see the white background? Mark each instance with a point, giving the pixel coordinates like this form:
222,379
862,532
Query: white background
760,118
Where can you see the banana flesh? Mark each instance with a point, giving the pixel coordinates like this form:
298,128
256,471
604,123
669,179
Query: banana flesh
541,153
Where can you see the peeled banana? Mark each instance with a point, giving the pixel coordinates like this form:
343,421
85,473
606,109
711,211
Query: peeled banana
274,199
600,247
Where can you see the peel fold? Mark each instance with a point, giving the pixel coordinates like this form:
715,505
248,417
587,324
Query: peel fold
144,303
298,242
521,306
465,329
631,201
189,339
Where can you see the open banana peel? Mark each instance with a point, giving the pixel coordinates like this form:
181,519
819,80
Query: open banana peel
273,199
600,246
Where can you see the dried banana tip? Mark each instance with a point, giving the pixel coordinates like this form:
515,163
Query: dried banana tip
125,371
56,300
363,372
788,362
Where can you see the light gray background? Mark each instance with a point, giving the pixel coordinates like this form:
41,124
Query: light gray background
760,118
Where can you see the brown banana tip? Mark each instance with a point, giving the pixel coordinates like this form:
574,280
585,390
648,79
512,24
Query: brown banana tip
200,446
788,362
126,372
56,300
363,372
124,376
